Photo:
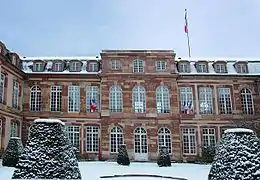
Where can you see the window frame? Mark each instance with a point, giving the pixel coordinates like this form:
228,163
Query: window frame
15,96
93,66
56,101
138,99
73,134
75,66
115,99
183,67
161,66
138,66
242,68
14,129
202,68
73,104
165,135
117,134
163,100
191,135
206,97
209,137
2,87
116,64
38,67
91,135
58,66
186,100
92,92
36,91
224,101
246,95
220,68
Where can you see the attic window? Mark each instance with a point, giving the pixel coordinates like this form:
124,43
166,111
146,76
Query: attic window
13,60
38,67
183,67
202,68
241,68
75,66
93,67
58,67
220,68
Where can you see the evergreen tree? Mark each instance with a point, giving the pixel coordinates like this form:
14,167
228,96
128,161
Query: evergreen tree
122,157
164,159
13,150
236,157
48,153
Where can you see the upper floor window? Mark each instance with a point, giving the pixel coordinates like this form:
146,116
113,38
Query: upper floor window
206,100
241,68
38,67
74,99
220,68
224,98
15,94
93,67
247,101
115,65
162,100
115,99
160,65
139,99
75,66
35,98
186,100
58,67
13,60
56,98
92,98
183,67
2,87
202,68
138,66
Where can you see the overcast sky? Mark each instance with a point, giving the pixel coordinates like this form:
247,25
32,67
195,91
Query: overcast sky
218,28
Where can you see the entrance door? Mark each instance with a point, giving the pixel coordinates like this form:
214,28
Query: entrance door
141,148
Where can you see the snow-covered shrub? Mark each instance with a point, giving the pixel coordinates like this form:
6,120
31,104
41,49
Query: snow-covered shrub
237,156
13,150
164,159
122,157
47,154
207,154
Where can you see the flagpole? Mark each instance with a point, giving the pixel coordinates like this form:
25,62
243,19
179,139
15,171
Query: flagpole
187,32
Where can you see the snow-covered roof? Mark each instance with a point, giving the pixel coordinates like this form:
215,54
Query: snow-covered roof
62,58
49,121
238,130
252,63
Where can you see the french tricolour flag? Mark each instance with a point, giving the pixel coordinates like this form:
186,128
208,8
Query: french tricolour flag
93,105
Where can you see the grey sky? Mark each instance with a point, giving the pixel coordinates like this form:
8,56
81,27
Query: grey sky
218,28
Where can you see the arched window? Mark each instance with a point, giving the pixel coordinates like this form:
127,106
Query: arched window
115,99
139,99
35,98
162,100
116,139
246,101
164,139
138,66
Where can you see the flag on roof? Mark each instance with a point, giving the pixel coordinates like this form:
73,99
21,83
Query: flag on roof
186,22
93,105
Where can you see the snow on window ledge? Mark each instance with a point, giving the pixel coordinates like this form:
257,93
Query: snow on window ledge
49,121
238,130
15,138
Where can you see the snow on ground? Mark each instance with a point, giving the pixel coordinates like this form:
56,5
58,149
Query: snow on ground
93,170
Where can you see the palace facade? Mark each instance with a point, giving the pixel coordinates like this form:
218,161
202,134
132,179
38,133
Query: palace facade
142,98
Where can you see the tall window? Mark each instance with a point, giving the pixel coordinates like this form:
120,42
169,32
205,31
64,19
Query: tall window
164,139
209,137
74,99
139,99
92,98
206,100
14,129
15,94
138,66
73,135
189,141
186,100
247,101
162,100
92,142
116,139
115,99
2,87
224,99
56,98
35,98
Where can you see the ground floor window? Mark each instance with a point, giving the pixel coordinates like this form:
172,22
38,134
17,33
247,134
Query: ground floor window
73,135
92,139
164,139
209,137
14,129
189,141
116,139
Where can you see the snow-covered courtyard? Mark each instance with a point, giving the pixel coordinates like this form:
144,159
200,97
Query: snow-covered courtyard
93,170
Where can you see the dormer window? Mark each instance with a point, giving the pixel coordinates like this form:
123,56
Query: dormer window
202,68
220,68
38,67
115,65
183,67
14,60
160,65
1,49
58,67
93,67
75,66
138,66
241,68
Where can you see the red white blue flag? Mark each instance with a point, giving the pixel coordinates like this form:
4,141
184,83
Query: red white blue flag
93,105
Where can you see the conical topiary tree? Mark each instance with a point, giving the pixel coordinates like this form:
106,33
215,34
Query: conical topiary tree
48,153
13,150
237,156
164,159
122,157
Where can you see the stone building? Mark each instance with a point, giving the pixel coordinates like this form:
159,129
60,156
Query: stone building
143,98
